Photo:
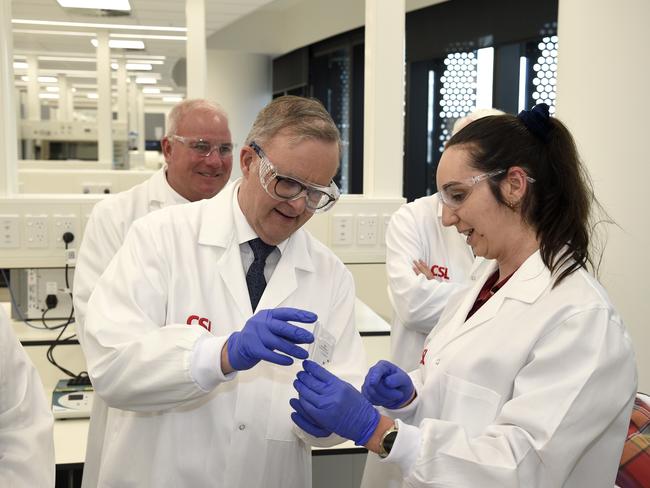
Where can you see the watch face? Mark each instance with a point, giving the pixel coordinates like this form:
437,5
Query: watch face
387,443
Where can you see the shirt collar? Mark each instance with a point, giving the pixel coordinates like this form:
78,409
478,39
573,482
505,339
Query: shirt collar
161,190
244,230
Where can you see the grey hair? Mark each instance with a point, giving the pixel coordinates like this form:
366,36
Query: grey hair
183,108
302,118
475,115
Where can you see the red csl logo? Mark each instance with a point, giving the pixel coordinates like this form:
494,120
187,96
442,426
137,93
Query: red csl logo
202,321
440,272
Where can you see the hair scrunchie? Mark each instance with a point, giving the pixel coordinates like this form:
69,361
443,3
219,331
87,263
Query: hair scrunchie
537,121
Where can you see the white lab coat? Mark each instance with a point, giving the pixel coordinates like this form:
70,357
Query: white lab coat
165,430
534,390
415,231
26,442
104,234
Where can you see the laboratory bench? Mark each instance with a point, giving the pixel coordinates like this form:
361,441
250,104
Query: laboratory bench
340,466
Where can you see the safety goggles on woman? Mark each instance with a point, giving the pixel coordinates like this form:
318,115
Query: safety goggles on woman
454,193
287,188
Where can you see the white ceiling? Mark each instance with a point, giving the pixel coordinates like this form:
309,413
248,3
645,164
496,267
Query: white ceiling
263,26
42,41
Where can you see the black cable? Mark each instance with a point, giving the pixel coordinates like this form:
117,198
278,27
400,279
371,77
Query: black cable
58,340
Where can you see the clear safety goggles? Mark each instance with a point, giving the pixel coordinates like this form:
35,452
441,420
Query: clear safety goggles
203,148
287,188
455,193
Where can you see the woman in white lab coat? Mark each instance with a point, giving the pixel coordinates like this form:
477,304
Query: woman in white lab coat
529,378
26,442
426,263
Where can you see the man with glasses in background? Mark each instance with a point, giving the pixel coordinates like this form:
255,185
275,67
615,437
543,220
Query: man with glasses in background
193,330
198,153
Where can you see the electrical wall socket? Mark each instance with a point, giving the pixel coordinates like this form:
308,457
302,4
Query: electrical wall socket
9,231
36,231
342,230
367,229
62,223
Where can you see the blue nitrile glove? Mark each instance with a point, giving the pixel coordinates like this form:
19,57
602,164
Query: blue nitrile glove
387,385
303,420
329,404
266,331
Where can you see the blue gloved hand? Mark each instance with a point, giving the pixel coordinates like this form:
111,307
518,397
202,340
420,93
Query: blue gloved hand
303,420
387,385
328,404
267,331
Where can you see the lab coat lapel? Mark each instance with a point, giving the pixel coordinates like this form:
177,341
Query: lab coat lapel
284,281
231,270
218,230
526,285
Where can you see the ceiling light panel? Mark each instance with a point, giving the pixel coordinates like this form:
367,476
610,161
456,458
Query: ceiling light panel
42,79
146,81
121,44
96,4
99,26
134,66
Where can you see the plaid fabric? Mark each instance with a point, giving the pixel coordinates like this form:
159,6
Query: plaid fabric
634,471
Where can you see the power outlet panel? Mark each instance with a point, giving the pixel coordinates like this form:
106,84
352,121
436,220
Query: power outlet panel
342,230
62,224
9,231
32,228
36,231
367,229
354,228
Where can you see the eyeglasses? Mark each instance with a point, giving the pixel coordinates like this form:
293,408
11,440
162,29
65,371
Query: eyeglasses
455,193
287,188
204,148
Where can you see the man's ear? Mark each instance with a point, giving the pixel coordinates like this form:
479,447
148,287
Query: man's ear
245,160
166,148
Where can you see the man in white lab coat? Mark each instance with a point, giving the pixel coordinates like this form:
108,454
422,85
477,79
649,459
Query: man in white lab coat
26,442
198,155
200,389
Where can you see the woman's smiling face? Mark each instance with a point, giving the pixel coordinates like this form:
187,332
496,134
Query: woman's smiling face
477,214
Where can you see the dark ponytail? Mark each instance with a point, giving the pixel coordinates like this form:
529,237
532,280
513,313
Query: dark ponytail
557,205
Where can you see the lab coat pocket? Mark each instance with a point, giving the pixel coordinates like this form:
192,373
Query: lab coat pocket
470,405
280,425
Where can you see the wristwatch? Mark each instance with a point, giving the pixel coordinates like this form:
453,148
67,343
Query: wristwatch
387,441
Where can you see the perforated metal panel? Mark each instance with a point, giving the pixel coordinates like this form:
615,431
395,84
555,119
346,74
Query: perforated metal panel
458,91
545,70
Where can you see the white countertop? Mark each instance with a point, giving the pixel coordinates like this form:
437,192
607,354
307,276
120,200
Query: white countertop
366,319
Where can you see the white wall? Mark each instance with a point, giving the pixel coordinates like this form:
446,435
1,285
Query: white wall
602,95
241,83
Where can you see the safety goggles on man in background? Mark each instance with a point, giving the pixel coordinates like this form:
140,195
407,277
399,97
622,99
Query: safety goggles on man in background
204,148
